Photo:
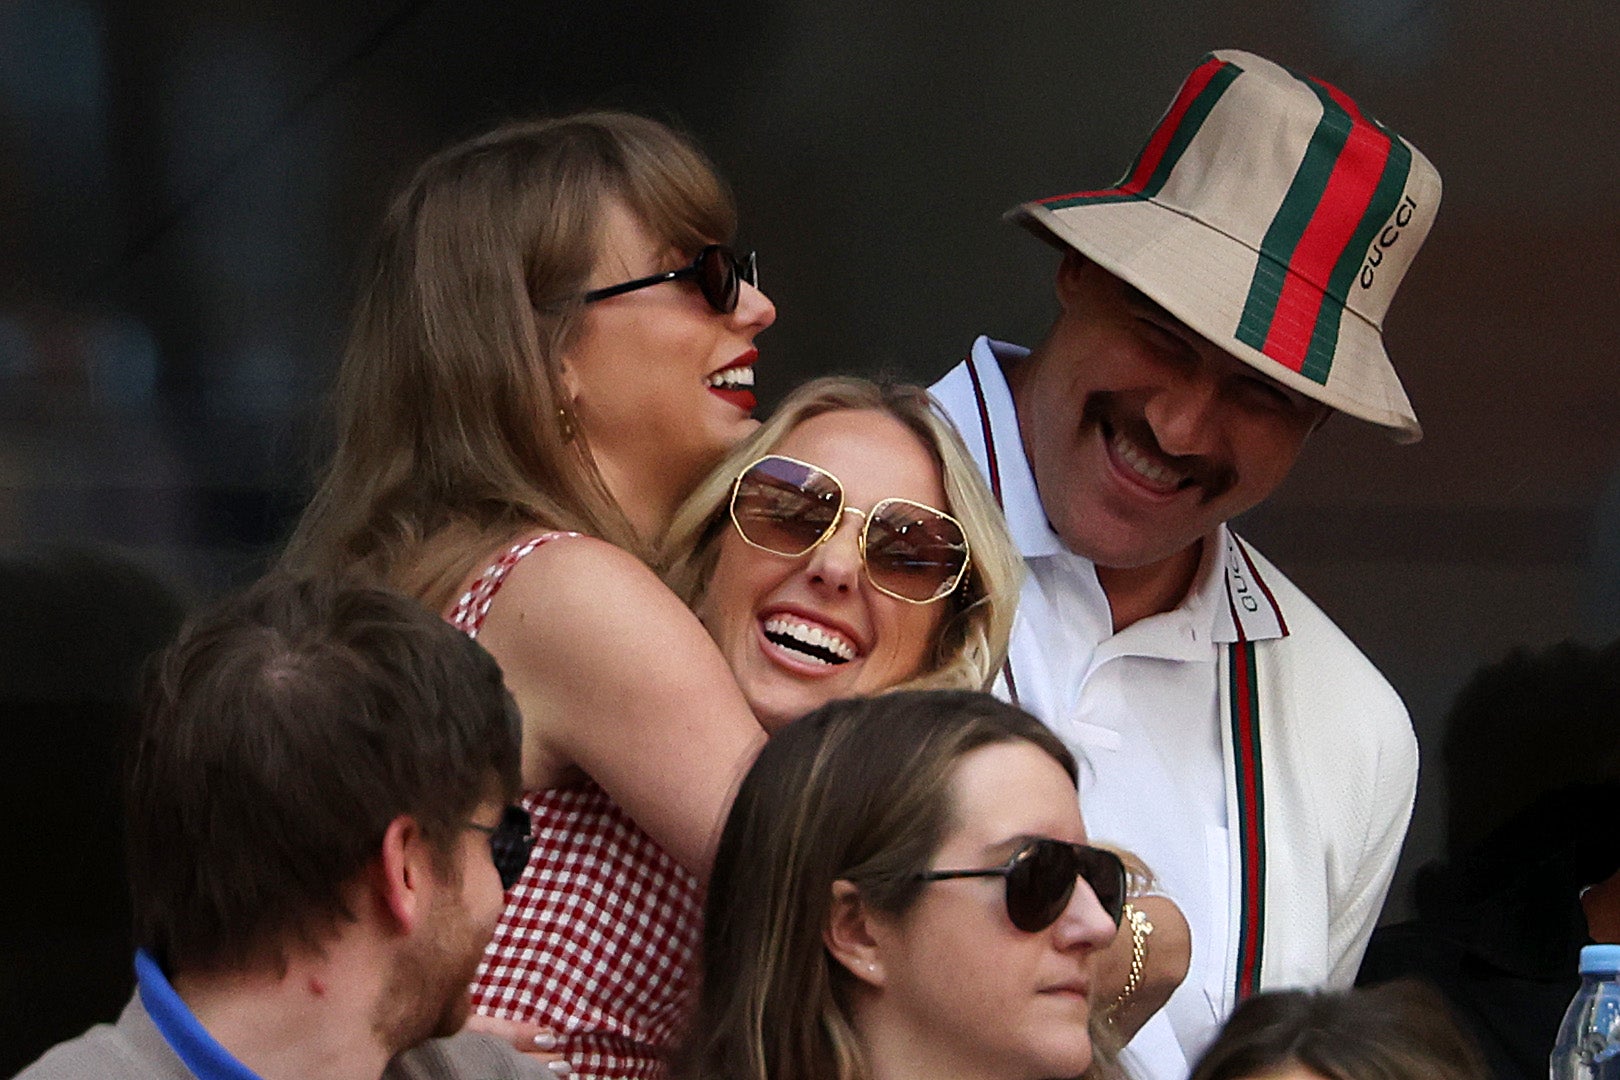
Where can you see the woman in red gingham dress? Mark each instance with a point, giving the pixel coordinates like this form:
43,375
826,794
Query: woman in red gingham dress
550,338
617,921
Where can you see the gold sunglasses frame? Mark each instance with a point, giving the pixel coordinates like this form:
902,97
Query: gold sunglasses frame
866,517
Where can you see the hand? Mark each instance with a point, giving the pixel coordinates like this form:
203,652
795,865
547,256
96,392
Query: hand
1169,951
532,1039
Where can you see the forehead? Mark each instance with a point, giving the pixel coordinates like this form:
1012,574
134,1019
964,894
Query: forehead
1127,301
1010,790
873,455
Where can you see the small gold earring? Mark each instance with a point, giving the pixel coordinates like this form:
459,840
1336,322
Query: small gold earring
567,423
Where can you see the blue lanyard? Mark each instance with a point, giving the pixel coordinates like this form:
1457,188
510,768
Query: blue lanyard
185,1035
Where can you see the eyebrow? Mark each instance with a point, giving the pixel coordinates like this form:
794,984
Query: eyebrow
1137,298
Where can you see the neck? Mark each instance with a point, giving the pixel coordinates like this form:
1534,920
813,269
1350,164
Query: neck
894,1051
1136,592
647,502
311,1022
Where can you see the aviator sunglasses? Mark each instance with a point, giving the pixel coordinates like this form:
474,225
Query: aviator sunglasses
510,842
718,271
1041,876
911,552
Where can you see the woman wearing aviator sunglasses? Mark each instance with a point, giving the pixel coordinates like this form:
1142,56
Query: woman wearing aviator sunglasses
553,344
904,891
848,547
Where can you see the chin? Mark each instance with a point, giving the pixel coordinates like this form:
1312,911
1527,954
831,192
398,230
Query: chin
777,707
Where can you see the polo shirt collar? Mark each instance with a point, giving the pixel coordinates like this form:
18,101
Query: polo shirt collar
180,1028
1020,501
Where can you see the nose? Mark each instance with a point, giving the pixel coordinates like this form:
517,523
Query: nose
1185,413
836,564
1084,924
754,311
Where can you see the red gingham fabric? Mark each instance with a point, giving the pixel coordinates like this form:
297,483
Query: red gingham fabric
599,936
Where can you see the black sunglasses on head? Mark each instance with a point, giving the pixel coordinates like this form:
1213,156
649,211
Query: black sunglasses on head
510,842
1041,876
718,271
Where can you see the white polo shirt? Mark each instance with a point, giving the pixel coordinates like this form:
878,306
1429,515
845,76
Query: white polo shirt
1162,770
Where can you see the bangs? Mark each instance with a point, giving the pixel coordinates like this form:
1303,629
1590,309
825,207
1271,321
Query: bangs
673,189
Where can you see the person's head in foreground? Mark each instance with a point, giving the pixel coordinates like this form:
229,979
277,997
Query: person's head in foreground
849,546
903,889
316,805
1216,304
551,330
1397,1031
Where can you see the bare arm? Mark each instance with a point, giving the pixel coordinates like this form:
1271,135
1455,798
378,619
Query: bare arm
1167,954
618,681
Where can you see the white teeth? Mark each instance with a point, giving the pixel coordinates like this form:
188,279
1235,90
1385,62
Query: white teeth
732,378
1144,466
826,641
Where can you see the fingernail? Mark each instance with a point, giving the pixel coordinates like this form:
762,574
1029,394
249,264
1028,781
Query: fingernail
545,1041
561,1068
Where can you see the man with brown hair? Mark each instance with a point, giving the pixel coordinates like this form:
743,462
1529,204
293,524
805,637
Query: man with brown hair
1215,306
318,838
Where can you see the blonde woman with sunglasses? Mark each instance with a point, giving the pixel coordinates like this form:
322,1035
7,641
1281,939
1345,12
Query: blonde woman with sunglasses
848,547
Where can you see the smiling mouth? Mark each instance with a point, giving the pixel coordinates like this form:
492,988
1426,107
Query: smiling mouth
1149,471
732,378
1138,456
812,643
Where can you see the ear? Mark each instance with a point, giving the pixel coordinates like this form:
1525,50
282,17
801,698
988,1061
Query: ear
1068,278
403,874
849,935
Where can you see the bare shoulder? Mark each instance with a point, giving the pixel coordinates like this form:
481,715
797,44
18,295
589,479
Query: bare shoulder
571,589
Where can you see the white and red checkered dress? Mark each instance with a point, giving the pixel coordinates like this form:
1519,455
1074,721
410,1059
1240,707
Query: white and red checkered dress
599,936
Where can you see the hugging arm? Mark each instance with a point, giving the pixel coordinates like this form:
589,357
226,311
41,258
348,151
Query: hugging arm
616,680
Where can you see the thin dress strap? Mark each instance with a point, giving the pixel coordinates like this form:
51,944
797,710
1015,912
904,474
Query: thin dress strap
470,611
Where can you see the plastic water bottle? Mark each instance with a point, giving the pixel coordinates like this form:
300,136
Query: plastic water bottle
1588,1046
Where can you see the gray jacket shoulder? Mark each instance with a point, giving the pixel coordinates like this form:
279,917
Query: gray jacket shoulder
466,1057
130,1048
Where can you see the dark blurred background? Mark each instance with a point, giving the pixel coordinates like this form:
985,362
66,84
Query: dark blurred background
185,184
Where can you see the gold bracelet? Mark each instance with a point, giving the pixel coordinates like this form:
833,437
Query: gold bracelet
1141,927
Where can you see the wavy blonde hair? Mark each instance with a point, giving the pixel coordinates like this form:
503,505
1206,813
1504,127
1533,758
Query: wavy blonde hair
973,642
452,434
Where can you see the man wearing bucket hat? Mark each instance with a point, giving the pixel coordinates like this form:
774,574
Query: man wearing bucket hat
1216,305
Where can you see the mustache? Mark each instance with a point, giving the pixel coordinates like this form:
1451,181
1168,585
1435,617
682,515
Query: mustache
1104,410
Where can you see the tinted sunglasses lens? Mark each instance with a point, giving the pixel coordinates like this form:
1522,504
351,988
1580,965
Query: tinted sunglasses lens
1039,885
510,845
1105,873
718,278
913,551
783,506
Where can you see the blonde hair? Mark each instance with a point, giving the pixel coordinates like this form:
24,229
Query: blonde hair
452,430
972,644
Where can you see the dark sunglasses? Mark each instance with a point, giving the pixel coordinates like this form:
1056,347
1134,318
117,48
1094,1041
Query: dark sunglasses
1041,876
911,551
510,842
718,271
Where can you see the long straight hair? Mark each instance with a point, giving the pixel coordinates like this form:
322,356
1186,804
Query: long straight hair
452,429
857,790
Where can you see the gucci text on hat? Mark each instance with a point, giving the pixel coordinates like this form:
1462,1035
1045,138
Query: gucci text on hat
1273,217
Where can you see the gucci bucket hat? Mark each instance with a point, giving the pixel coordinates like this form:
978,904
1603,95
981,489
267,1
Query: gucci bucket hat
1275,218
